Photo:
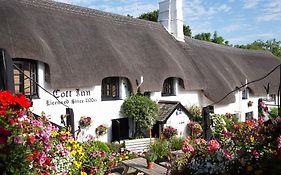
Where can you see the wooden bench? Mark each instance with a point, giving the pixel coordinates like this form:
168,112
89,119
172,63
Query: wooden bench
138,145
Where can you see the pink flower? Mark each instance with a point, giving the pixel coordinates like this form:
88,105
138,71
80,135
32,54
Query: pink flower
279,142
42,158
226,134
213,145
227,154
187,148
256,153
18,140
278,119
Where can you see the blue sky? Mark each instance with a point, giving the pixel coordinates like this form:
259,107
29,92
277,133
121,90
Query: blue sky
238,21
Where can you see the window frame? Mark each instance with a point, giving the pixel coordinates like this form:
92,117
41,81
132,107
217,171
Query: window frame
249,115
168,91
106,88
32,67
245,94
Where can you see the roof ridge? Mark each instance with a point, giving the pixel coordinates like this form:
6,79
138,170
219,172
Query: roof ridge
88,12
227,47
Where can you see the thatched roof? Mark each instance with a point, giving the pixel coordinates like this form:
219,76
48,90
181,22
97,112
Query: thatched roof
82,46
224,68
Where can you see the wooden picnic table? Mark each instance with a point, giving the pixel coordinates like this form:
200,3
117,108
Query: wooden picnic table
140,165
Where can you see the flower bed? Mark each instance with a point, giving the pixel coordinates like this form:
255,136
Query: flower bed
33,146
251,147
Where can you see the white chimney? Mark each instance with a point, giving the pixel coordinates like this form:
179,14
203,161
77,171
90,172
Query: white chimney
171,17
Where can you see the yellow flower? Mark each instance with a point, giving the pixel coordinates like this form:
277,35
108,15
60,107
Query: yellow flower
83,173
78,164
252,138
73,153
54,133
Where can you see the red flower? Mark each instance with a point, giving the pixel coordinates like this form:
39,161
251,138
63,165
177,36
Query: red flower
236,126
31,140
213,145
29,158
250,122
187,148
22,101
227,154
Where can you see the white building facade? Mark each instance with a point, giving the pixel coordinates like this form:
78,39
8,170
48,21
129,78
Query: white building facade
90,102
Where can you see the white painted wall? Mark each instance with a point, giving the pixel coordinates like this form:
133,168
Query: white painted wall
178,120
102,112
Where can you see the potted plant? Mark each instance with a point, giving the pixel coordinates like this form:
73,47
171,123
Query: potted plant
150,157
170,132
84,122
101,130
250,103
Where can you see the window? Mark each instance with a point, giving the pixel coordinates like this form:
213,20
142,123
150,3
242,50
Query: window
110,88
249,116
245,93
22,82
168,87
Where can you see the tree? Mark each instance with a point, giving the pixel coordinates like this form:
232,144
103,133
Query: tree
187,30
153,16
217,39
203,36
150,16
142,110
272,46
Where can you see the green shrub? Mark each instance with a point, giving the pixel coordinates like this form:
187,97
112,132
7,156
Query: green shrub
273,112
142,110
161,148
176,143
115,147
196,112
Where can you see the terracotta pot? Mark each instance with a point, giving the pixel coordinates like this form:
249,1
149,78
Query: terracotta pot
150,165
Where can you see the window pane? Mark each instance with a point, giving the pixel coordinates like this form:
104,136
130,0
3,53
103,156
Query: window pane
110,88
168,87
23,84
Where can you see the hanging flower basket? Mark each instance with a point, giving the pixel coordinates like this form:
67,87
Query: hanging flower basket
101,130
250,103
84,122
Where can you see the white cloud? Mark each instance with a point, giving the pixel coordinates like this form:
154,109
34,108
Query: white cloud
196,9
231,28
231,1
248,4
135,9
245,39
201,27
271,11
77,2
123,7
224,8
